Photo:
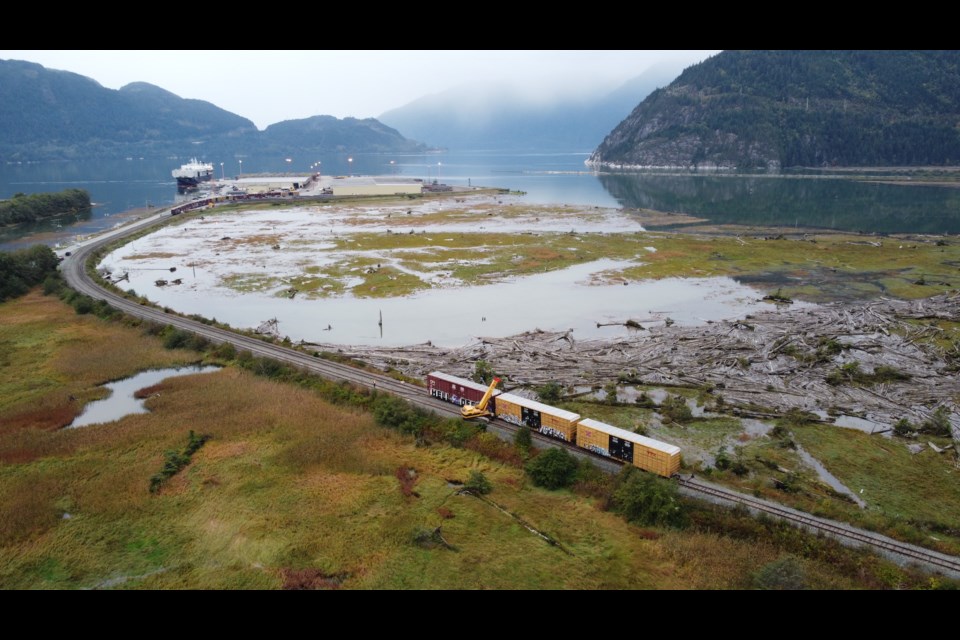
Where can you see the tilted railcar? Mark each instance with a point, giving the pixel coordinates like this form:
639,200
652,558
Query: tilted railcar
459,391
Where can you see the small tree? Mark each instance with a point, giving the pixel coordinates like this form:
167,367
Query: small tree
643,498
523,440
552,469
675,408
610,389
483,372
550,392
938,424
478,483
903,428
722,460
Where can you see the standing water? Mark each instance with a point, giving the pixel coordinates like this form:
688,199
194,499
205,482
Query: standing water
121,402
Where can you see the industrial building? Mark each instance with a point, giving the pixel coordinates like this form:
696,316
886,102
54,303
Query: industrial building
375,186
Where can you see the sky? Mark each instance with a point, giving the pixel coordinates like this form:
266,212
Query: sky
272,86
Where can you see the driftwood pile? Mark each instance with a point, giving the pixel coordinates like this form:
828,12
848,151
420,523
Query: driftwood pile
766,362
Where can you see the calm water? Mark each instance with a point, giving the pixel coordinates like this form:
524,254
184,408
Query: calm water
555,301
794,201
117,186
121,402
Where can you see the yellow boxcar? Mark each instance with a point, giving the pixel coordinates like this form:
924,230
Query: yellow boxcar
536,415
640,451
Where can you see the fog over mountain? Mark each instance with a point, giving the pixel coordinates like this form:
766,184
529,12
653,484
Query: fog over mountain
522,118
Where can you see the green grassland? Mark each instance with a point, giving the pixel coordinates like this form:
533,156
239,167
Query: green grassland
912,497
291,491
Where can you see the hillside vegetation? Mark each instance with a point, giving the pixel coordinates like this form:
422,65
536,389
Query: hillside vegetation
51,114
37,206
775,109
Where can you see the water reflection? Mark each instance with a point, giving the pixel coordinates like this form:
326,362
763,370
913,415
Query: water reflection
557,300
798,202
121,402
832,202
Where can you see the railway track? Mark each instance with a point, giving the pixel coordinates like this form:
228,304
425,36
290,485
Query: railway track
948,565
74,271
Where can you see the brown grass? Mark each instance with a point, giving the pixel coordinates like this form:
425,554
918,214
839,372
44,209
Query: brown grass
407,477
303,579
445,513
490,446
152,390
45,418
292,492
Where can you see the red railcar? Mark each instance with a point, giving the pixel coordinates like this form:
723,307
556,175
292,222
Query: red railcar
458,391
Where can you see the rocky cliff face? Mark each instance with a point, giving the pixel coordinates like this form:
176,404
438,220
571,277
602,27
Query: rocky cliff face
774,109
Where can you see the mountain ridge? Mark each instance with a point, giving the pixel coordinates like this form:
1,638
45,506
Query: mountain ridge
777,109
52,114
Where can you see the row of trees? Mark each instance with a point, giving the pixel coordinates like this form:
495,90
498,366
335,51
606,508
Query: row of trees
30,208
641,498
20,270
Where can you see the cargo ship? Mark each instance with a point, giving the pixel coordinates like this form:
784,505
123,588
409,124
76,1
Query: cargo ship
190,175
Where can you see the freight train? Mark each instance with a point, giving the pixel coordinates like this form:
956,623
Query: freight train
604,439
242,197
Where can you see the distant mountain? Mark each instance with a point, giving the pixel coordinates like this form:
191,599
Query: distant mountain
50,114
504,117
326,133
773,109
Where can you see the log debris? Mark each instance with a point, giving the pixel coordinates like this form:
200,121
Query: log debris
768,363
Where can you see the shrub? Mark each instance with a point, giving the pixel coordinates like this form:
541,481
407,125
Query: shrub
610,389
644,401
782,574
722,460
483,372
52,284
938,424
550,392
797,417
177,339
396,413
552,469
523,439
175,461
847,373
903,428
226,351
885,373
675,408
643,498
82,305
478,483
591,481
454,431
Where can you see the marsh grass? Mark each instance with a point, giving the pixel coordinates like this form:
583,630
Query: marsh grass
293,490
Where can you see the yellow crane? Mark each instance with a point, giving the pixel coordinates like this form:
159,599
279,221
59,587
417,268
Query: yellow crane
479,410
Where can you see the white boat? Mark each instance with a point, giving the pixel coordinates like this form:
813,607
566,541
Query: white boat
192,174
